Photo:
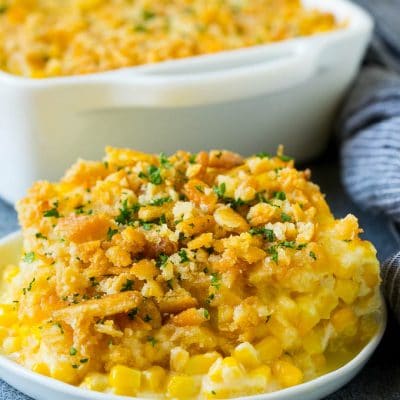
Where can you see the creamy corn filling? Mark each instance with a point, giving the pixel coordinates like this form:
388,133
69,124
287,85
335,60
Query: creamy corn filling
190,276
43,38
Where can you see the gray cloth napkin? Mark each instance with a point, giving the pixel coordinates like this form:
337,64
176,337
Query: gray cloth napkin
370,132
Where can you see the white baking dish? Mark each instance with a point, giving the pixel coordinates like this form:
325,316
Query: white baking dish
246,100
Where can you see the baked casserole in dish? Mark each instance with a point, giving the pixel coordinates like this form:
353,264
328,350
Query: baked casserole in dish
192,276
43,38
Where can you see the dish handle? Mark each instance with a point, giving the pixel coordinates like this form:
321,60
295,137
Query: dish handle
283,70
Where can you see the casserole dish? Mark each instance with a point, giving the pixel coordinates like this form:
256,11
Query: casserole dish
248,99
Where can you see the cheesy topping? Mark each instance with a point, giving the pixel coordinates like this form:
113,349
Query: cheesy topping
44,38
191,276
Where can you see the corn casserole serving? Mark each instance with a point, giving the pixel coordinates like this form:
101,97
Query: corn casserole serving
190,276
44,38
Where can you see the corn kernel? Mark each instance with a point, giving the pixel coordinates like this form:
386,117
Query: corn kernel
263,371
231,369
286,373
63,371
8,315
201,363
95,381
178,359
41,368
247,355
345,321
153,378
182,387
269,349
125,380
347,290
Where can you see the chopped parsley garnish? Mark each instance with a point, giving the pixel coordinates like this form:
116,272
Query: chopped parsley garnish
183,255
263,154
139,28
162,220
59,326
164,162
235,203
267,233
93,281
142,175
285,158
29,257
53,212
210,298
155,175
215,280
40,236
73,351
285,217
192,158
200,188
79,210
3,8
147,318
146,225
29,287
274,253
312,255
126,213
147,14
206,314
170,283
83,360
111,232
75,366
280,195
213,392
152,340
132,314
161,260
289,244
220,190
128,285
160,201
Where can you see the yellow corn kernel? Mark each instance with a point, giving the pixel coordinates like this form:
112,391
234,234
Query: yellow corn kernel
313,342
263,372
8,315
269,349
201,363
231,369
41,368
286,373
63,371
247,355
95,381
124,380
178,359
215,371
345,321
153,378
182,387
347,290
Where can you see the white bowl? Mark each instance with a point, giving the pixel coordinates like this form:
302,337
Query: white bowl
247,100
41,387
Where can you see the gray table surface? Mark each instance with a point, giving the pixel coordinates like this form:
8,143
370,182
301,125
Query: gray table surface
380,379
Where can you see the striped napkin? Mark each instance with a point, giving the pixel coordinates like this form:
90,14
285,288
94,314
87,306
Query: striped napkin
369,128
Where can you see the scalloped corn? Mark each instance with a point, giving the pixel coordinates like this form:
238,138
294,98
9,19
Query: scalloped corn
184,277
43,38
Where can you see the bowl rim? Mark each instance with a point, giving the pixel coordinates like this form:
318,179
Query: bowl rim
14,239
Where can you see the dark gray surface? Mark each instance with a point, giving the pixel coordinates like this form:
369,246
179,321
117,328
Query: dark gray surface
380,379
